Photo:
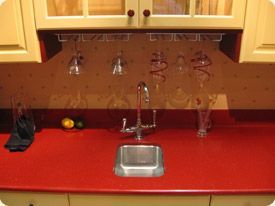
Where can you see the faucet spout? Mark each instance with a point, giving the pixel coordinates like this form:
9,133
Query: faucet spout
139,126
141,85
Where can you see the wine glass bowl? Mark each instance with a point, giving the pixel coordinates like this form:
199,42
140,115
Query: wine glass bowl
119,64
76,64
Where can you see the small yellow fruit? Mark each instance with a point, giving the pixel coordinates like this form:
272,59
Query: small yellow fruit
67,123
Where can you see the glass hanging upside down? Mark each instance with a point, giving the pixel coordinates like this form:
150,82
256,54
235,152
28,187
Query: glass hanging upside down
158,64
119,64
75,65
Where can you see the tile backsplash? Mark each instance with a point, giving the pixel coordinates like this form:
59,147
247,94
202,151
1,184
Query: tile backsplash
48,85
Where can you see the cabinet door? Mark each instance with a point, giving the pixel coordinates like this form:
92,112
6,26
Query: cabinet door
258,42
18,39
35,199
242,200
87,200
195,14
86,14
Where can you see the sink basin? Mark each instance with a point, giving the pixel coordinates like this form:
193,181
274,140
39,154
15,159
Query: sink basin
139,161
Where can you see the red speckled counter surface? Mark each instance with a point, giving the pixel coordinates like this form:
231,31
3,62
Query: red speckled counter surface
231,160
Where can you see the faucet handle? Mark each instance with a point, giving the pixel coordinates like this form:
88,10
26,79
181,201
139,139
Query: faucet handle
124,122
154,118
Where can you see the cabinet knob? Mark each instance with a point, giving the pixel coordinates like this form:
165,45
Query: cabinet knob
146,12
131,13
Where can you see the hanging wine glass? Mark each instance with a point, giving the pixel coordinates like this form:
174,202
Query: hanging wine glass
75,65
158,66
201,64
119,64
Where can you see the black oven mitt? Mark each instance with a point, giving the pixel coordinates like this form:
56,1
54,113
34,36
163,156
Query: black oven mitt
22,135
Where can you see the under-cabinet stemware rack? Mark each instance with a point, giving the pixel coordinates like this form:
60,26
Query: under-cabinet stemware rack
111,37
94,37
185,36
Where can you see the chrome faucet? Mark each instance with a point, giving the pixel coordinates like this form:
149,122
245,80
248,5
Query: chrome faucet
139,126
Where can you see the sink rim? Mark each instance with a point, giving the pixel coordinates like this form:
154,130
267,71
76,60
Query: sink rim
155,170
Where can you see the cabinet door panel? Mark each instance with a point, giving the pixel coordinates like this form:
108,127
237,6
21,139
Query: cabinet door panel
85,14
242,200
175,7
258,42
107,7
18,38
193,14
64,8
95,7
266,26
87,200
11,24
214,7
35,199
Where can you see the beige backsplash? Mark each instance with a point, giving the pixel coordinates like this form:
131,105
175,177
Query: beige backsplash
233,86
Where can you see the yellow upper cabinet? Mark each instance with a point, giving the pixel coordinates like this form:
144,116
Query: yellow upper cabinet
192,14
18,38
258,41
81,14
125,14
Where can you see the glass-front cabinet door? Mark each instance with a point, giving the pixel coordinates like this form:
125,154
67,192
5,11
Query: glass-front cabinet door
81,14
194,14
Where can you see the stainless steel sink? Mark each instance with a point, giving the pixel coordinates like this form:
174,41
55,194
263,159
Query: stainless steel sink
139,161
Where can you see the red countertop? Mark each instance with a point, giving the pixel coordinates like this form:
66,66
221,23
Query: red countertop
230,160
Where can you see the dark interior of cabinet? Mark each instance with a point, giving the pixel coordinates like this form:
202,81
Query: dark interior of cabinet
231,45
49,45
